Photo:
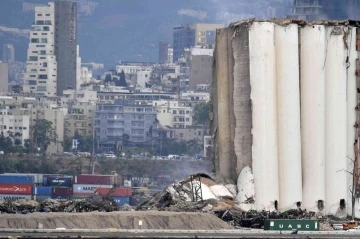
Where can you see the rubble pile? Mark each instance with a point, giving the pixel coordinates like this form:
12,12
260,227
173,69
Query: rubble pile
200,193
28,206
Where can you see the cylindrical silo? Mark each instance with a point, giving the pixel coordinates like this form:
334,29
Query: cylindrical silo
288,113
335,121
263,96
312,82
351,113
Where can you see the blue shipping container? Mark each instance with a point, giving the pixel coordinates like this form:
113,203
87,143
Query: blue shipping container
121,200
16,179
42,191
57,181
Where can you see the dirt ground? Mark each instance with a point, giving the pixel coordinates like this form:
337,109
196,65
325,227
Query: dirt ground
118,220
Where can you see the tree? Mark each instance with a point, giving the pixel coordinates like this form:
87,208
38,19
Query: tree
122,81
43,134
201,113
126,139
108,78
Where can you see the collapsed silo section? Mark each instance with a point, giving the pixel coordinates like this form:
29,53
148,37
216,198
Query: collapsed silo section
288,111
243,117
312,81
264,114
335,120
351,97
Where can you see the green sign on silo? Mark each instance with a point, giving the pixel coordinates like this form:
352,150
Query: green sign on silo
290,225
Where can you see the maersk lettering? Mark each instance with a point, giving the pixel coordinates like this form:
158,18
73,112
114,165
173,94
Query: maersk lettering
89,188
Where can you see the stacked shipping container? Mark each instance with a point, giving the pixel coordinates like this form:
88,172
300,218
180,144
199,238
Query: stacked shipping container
62,187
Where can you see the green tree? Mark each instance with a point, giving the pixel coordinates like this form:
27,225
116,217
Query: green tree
126,139
44,134
108,78
201,113
122,81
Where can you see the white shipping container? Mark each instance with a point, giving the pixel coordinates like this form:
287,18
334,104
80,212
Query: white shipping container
13,197
88,188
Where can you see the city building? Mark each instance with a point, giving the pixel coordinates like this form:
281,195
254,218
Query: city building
191,98
187,36
190,133
66,44
79,78
52,54
79,96
80,119
41,67
200,67
310,10
133,67
173,114
8,53
165,53
4,78
16,126
143,77
113,120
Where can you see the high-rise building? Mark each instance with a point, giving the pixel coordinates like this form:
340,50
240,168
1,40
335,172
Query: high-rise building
66,44
310,10
163,52
41,67
4,77
8,53
186,36
52,53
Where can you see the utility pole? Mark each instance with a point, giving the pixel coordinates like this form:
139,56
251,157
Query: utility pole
93,145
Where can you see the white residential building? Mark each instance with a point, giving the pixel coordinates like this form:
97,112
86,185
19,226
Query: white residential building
17,125
41,67
79,96
143,76
173,114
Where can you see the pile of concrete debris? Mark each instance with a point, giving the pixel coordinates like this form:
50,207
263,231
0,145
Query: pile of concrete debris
200,193
28,206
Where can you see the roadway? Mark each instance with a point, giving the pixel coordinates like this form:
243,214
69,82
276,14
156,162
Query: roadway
114,233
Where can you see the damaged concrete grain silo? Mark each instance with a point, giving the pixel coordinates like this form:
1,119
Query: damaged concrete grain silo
284,97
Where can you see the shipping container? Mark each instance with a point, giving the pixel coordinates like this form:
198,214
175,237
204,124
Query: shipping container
93,179
14,197
121,200
40,198
61,198
62,192
23,189
37,178
118,192
78,199
57,181
82,195
88,188
43,191
16,179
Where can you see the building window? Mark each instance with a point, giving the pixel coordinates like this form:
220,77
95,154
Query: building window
24,127
32,75
44,40
43,34
33,70
48,15
47,22
34,40
45,64
43,76
33,58
187,120
39,15
42,52
174,111
43,57
41,88
39,22
46,29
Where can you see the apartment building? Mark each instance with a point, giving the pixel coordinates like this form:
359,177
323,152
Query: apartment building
8,53
80,118
40,77
113,120
173,114
51,65
187,36
4,77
